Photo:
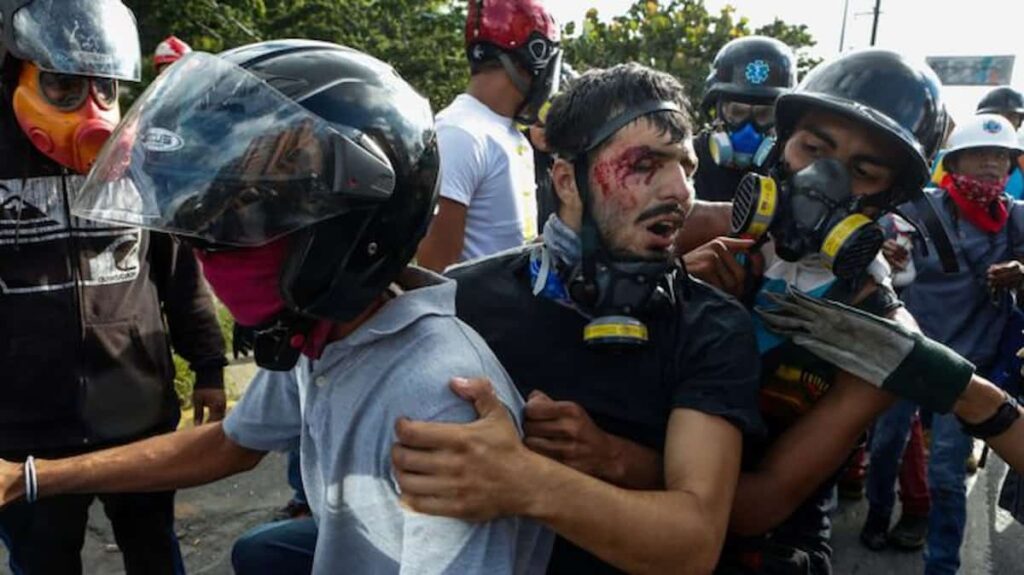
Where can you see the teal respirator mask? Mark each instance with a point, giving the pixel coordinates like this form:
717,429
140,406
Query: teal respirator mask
743,135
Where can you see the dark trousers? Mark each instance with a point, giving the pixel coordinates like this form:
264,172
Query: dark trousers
282,548
46,537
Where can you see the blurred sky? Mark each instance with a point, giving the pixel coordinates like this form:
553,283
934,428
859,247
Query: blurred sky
915,27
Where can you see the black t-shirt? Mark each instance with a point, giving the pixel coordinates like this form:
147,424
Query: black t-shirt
702,355
712,182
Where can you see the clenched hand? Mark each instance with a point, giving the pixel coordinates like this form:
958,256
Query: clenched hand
563,431
468,471
214,399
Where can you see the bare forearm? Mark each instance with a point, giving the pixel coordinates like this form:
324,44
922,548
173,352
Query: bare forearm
446,237
637,531
806,455
185,458
634,466
435,257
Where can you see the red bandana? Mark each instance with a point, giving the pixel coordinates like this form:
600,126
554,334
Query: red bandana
979,201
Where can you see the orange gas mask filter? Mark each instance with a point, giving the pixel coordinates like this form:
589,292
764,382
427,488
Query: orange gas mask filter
68,118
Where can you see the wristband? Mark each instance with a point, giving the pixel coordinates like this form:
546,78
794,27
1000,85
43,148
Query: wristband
998,423
31,484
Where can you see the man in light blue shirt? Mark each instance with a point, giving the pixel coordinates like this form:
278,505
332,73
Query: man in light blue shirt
340,411
304,201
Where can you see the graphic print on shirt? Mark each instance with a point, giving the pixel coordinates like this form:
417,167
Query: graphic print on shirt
34,228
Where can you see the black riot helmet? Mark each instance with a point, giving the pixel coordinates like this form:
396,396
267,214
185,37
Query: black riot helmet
899,98
1001,100
96,38
292,137
752,69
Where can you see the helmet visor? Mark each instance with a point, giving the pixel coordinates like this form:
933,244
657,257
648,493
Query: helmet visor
212,152
94,38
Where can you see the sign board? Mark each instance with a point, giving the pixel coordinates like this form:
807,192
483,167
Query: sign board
972,70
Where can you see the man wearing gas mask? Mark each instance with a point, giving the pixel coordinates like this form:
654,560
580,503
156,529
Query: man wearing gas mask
747,76
849,149
855,140
83,344
640,380
305,200
488,191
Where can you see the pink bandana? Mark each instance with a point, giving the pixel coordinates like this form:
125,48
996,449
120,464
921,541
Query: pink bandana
247,282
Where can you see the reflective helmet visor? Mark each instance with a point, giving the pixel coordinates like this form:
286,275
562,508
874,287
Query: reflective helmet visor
94,38
212,152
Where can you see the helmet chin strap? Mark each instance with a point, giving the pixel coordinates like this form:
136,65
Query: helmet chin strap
278,343
522,86
590,240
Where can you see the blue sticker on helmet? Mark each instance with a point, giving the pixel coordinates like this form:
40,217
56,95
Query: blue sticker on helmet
757,72
992,127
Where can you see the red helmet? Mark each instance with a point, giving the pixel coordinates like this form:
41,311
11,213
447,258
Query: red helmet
170,51
524,30
508,24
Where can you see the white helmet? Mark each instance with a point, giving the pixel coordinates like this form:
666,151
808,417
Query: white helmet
984,131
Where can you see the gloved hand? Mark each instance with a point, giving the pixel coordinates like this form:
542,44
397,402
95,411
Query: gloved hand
877,350
242,339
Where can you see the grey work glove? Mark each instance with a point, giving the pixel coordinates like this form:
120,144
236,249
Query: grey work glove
879,351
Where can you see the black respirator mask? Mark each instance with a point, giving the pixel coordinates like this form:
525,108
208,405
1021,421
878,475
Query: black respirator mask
811,212
614,290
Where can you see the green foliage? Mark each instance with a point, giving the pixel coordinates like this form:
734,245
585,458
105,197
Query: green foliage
422,39
680,37
184,381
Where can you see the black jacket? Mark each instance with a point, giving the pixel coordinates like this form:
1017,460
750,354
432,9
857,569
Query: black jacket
84,352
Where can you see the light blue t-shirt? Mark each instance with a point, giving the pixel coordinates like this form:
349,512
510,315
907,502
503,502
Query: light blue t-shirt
341,412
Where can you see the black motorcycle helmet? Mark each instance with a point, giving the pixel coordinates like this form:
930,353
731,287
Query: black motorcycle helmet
353,154
1000,100
340,265
881,88
753,69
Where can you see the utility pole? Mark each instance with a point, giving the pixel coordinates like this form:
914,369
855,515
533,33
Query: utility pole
874,26
842,34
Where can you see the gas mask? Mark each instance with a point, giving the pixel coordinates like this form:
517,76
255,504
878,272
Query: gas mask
740,149
743,134
622,290
811,213
66,117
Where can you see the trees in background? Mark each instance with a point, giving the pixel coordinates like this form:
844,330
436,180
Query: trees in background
423,39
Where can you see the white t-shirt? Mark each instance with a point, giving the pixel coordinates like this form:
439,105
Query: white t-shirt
487,166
